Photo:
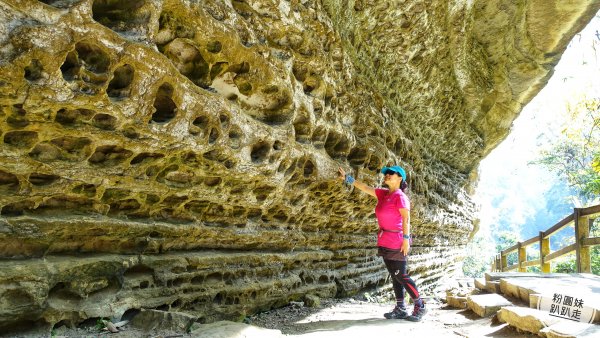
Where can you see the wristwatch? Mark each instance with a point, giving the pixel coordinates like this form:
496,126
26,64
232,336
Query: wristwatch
406,236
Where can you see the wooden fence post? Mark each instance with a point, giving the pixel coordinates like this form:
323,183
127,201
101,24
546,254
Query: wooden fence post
522,257
503,262
582,253
498,265
544,251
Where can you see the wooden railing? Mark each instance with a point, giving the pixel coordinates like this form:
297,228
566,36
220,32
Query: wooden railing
583,219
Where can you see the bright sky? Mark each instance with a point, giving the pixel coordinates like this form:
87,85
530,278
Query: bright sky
509,188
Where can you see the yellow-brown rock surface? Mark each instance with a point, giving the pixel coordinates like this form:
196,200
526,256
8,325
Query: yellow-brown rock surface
182,154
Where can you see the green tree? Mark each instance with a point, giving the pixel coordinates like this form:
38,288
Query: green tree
575,153
568,266
504,241
478,258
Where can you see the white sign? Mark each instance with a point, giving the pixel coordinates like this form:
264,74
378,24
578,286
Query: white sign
568,307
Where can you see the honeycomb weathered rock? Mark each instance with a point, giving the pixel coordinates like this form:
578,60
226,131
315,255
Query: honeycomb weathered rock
183,154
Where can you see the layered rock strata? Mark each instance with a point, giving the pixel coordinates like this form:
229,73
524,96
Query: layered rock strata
182,154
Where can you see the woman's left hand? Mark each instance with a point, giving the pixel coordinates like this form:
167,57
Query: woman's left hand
405,246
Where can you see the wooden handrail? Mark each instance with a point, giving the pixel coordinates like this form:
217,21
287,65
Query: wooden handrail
590,210
560,225
582,218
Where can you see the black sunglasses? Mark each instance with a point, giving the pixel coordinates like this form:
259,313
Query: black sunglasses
390,172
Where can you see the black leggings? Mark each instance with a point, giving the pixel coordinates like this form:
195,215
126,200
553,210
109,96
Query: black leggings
400,280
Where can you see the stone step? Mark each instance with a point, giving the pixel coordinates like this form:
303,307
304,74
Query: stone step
457,302
543,324
526,319
486,305
456,297
480,284
492,286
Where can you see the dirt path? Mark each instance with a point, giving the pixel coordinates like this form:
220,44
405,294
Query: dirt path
351,318
334,318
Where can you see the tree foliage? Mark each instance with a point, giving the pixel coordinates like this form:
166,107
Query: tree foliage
575,154
478,256
568,266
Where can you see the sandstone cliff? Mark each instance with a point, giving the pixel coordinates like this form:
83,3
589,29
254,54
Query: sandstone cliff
182,154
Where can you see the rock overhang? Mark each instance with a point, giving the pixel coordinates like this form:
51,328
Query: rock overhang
174,127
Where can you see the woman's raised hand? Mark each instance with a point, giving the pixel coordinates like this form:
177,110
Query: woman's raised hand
342,173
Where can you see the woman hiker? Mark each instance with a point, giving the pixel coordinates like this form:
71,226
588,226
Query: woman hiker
393,239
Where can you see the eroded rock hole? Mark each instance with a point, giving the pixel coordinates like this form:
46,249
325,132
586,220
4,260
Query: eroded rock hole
45,152
278,145
200,124
21,139
8,181
218,299
109,155
120,15
131,133
76,148
309,168
58,204
152,170
336,145
224,120
165,108
302,130
214,46
33,71
88,190
17,118
262,192
214,135
72,117
218,156
358,156
92,58
16,299
375,163
166,171
212,181
189,61
129,204
319,136
218,69
164,307
120,85
87,66
235,137
146,158
170,26
39,179
260,152
70,67
139,272
130,314
17,208
104,121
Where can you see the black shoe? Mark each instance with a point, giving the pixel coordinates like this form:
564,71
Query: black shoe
397,313
418,313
